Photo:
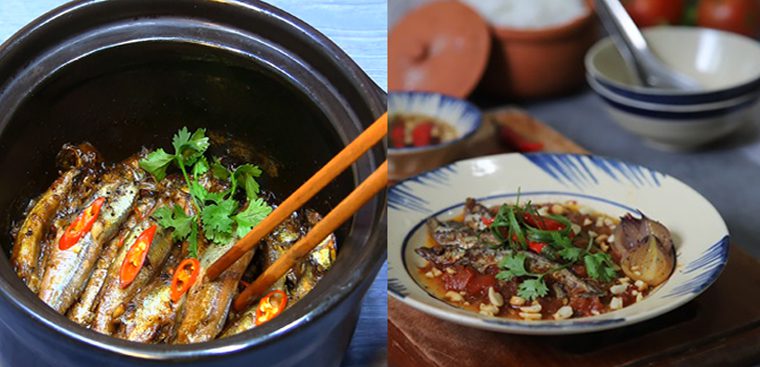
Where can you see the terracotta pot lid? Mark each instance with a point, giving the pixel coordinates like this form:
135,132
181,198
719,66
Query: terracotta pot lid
440,47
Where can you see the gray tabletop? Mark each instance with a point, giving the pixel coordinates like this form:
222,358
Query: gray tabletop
727,172
359,27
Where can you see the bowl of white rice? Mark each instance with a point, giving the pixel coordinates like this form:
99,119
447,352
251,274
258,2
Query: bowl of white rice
540,45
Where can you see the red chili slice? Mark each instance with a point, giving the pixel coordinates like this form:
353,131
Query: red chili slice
536,246
543,222
486,221
81,225
266,310
135,257
422,134
398,135
184,277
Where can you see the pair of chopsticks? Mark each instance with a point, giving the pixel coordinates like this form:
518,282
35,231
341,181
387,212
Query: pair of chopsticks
339,215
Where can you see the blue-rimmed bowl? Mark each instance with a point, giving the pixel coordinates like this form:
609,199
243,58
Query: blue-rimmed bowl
678,119
463,116
603,184
677,127
718,60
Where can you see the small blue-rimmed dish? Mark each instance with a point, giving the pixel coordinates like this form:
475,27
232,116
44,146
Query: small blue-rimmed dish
604,185
463,116
716,59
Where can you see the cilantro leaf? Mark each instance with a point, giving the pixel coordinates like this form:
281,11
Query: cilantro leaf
253,214
219,170
189,148
246,175
200,167
198,191
571,253
514,264
600,266
531,289
505,275
217,221
156,163
174,218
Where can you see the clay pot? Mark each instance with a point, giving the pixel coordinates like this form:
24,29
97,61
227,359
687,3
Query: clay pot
531,64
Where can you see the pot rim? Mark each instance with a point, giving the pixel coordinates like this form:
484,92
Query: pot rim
365,88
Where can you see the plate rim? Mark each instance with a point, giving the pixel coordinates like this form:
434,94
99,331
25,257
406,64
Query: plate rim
548,327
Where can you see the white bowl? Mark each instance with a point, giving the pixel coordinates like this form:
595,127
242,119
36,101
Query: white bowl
673,119
606,185
720,61
678,127
460,114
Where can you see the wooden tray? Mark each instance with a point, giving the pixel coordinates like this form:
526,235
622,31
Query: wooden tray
721,327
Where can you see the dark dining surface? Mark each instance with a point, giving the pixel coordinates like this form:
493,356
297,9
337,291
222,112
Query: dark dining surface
360,29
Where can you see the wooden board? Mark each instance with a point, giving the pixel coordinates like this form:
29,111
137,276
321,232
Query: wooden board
721,327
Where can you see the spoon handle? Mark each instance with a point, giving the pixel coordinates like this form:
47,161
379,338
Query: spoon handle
624,44
634,48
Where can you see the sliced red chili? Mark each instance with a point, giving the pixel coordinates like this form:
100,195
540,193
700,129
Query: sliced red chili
543,222
267,310
486,221
518,142
184,277
537,247
398,135
422,134
135,257
81,225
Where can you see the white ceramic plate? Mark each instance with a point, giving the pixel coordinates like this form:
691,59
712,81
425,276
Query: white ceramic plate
606,185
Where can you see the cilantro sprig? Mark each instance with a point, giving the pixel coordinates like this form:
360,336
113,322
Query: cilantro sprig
513,266
556,244
216,214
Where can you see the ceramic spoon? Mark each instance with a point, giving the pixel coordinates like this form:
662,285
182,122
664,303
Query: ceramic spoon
648,68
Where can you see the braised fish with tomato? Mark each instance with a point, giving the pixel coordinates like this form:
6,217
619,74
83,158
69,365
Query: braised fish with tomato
544,261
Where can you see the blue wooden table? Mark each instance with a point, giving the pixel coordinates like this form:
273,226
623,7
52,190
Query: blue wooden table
360,28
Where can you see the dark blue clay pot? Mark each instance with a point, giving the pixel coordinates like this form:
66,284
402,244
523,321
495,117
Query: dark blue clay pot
128,73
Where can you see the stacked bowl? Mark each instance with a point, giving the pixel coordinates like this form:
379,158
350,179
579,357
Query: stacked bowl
725,65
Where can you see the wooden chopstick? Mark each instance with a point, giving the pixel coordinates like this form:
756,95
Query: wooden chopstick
339,215
366,140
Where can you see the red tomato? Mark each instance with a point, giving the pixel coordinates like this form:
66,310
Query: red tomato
738,16
469,280
647,13
480,284
458,281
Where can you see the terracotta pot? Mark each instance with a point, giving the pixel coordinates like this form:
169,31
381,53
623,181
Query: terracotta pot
529,64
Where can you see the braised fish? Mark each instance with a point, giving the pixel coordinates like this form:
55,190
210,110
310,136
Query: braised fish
460,244
68,270
83,311
207,303
151,314
300,280
115,293
27,255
